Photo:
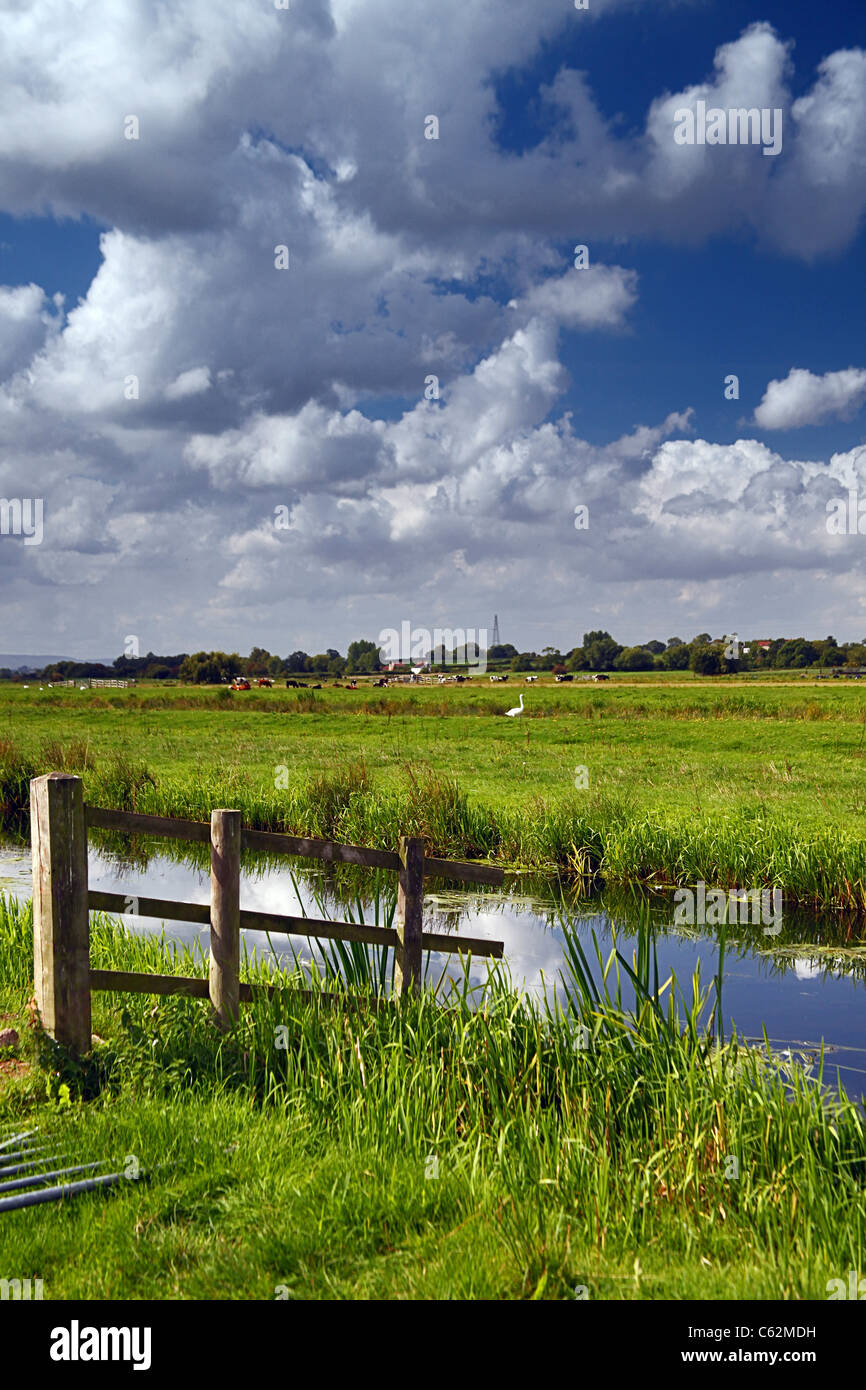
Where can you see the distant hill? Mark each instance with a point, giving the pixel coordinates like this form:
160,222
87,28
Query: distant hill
15,661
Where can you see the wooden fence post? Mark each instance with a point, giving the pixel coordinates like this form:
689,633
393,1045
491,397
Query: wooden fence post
61,924
225,915
407,956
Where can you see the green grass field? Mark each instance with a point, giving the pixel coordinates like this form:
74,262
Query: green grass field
740,782
464,1151
425,1151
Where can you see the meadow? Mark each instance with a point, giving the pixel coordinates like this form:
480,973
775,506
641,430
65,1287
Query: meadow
458,1147
653,781
479,1143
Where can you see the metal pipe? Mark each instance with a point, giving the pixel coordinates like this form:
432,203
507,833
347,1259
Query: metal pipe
40,1177
25,1134
22,1153
55,1194
8,1170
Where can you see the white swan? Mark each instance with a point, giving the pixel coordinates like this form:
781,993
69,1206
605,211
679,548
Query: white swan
518,709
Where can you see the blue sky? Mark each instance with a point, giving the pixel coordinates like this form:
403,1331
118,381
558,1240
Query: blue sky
639,52
304,389
61,255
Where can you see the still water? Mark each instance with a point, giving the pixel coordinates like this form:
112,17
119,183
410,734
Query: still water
804,986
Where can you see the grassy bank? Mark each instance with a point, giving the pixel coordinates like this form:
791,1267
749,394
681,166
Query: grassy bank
657,784
454,1152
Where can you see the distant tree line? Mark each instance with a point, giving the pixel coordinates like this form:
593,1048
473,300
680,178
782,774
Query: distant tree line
210,668
705,655
599,651
149,667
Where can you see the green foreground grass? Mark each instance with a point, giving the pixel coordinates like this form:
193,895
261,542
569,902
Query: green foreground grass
743,785
637,1160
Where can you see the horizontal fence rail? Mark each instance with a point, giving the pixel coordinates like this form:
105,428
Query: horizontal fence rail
267,842
289,926
100,818
195,987
62,903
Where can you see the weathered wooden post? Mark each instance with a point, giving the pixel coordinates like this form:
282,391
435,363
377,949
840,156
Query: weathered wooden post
407,959
61,925
225,915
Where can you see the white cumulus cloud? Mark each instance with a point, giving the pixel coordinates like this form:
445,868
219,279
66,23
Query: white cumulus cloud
805,399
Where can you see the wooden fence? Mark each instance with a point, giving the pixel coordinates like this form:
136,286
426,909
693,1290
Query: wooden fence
62,902
93,683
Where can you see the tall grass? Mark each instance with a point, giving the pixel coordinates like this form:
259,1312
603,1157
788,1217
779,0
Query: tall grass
582,1138
74,756
602,834
16,770
122,782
